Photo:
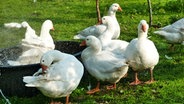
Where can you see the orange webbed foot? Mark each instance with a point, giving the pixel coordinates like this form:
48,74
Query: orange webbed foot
136,83
111,87
93,91
149,82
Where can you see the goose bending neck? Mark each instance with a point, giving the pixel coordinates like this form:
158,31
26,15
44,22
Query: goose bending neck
54,56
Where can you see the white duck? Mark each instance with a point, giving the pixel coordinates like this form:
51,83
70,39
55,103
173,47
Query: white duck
97,30
173,33
141,53
117,46
101,64
59,76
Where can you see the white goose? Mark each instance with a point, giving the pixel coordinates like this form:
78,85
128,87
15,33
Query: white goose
141,53
59,76
101,64
173,33
117,46
97,30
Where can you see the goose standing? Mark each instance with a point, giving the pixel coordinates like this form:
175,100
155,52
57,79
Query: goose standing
59,76
173,33
141,53
102,64
97,30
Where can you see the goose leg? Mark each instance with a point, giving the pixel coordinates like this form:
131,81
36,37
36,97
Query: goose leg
97,89
151,77
111,87
137,81
67,99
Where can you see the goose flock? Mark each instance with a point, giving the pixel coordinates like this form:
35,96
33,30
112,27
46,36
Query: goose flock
105,57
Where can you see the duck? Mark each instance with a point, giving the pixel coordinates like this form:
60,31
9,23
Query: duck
97,30
115,45
102,64
34,46
59,75
173,33
142,54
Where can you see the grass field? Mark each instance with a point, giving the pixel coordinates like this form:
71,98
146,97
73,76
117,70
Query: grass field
71,16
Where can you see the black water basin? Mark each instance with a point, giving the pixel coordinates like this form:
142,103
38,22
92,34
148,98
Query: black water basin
11,77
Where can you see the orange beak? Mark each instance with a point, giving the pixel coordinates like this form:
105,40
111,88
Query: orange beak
52,28
83,43
44,68
144,28
119,9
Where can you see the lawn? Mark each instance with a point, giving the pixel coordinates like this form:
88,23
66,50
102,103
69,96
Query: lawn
71,16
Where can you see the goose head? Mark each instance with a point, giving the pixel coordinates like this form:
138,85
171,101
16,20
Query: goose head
93,42
143,28
113,8
24,24
107,20
47,25
49,58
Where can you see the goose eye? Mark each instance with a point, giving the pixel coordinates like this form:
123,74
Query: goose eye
43,61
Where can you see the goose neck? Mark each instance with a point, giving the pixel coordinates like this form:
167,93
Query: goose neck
44,32
111,13
96,48
142,35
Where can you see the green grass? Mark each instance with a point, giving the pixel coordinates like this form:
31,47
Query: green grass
71,16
